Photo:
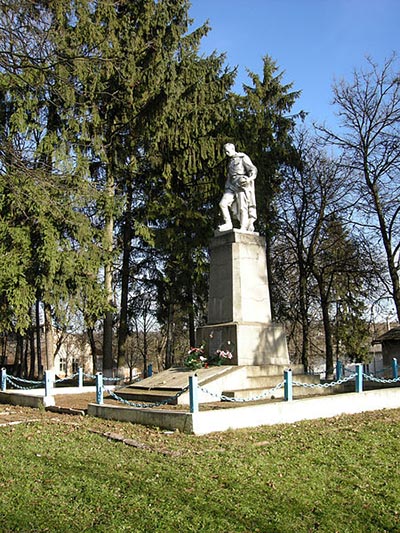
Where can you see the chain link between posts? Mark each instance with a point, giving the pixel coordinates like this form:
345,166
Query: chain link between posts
13,380
323,385
262,396
146,405
368,377
17,382
67,378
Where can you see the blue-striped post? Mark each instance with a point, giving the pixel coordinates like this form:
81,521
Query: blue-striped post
149,370
339,370
288,388
359,377
3,379
48,382
99,388
395,369
193,394
80,377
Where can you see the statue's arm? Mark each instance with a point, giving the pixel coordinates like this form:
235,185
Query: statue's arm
251,170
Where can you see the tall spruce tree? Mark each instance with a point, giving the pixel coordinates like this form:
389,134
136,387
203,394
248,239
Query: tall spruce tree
172,178
263,127
143,109
43,189
182,205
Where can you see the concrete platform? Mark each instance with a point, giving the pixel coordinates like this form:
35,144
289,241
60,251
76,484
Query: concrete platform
37,398
167,384
279,412
227,380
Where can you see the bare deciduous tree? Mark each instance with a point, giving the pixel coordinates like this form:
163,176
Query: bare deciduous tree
369,138
317,252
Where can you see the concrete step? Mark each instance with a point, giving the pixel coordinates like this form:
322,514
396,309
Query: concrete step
272,370
151,396
258,386
178,378
231,381
298,392
257,382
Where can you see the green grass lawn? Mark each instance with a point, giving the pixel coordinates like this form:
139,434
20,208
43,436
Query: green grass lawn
335,475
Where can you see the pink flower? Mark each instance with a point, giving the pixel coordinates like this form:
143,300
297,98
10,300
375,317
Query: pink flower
224,355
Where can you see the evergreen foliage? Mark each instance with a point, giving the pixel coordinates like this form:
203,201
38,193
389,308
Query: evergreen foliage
265,126
48,241
112,125
117,103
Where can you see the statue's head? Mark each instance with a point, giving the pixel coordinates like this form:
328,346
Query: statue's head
229,149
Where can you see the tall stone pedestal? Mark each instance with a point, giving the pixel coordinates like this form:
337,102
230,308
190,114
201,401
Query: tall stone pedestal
239,310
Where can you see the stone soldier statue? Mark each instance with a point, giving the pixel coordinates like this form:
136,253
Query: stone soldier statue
239,195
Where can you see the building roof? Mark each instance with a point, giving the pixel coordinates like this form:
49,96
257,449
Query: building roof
391,335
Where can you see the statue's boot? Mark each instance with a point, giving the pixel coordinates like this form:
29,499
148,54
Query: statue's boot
244,220
227,219
225,227
250,225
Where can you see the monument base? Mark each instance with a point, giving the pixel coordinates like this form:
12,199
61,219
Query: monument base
251,343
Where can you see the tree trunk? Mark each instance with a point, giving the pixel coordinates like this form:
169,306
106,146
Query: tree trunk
90,333
328,337
24,366
108,273
32,352
305,343
4,339
169,348
127,246
49,338
19,349
107,344
305,330
38,340
145,348
191,317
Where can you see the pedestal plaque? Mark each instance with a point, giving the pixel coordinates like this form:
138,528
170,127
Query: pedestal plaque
239,310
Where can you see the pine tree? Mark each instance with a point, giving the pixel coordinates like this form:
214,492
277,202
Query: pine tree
43,195
143,110
263,127
175,178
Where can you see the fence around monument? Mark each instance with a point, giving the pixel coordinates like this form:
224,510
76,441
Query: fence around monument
49,383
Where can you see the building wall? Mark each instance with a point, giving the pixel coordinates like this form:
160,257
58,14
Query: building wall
73,353
390,349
